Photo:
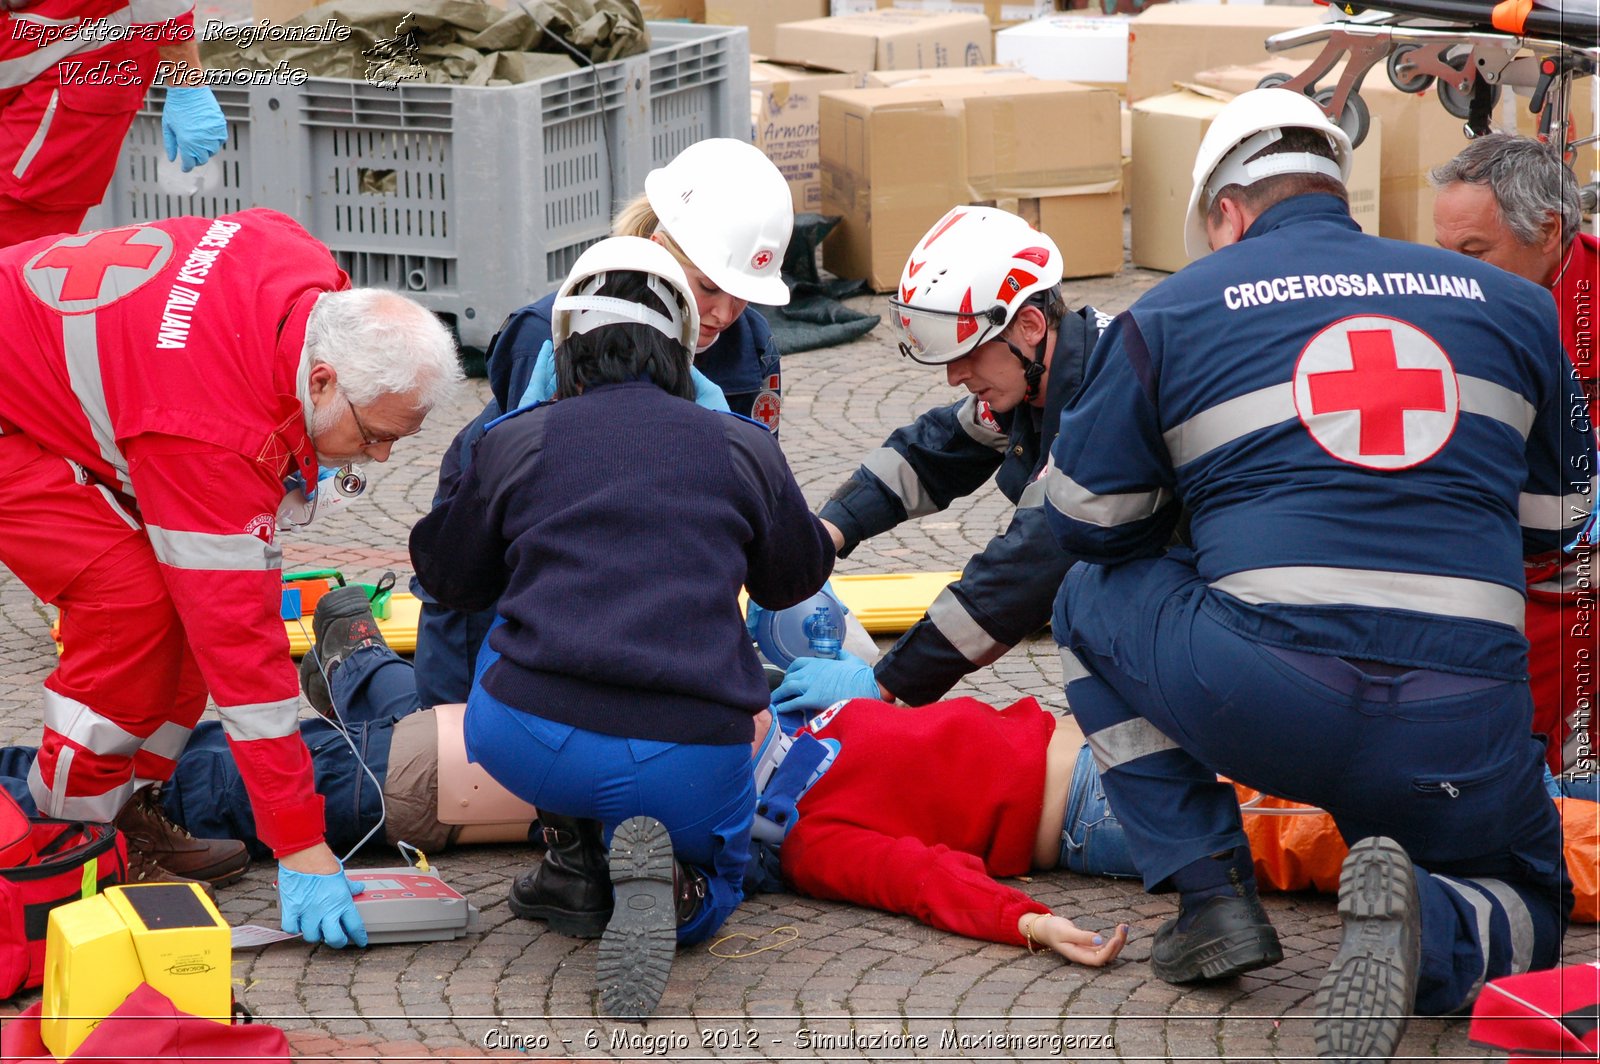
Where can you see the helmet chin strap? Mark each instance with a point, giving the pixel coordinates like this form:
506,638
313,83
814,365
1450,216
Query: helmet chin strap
1032,369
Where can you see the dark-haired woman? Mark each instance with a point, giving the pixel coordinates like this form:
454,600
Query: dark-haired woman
614,527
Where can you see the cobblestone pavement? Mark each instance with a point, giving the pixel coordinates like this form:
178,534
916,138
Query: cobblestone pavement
830,981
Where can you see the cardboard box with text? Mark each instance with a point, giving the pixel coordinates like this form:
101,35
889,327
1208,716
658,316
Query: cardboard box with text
784,115
1069,48
1000,13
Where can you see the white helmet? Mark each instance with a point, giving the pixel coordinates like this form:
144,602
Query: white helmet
1251,121
578,310
730,211
965,281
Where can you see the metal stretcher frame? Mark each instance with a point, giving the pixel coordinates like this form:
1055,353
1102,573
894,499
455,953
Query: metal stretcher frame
1451,43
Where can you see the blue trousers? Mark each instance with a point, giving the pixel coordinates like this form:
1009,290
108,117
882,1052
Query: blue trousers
704,795
1169,696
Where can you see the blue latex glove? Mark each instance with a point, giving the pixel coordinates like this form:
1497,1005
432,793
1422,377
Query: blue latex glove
320,907
542,384
707,394
192,125
813,684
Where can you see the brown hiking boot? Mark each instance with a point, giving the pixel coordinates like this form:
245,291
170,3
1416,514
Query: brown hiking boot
163,850
143,870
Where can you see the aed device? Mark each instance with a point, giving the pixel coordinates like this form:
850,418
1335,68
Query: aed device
98,950
410,905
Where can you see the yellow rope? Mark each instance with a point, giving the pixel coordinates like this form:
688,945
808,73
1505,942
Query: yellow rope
794,935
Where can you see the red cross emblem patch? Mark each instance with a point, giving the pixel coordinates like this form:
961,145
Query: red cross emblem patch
81,273
761,259
1377,392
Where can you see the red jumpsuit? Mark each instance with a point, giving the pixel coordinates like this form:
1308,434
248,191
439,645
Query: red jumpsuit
68,93
150,415
889,826
1564,652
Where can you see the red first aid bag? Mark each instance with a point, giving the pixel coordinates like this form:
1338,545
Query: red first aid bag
55,861
146,1027
1536,1016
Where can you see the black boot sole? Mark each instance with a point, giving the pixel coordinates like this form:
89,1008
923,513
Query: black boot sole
1223,957
641,939
1363,1003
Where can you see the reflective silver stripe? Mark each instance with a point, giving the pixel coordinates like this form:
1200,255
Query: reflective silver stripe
1479,396
116,507
38,135
964,633
1128,741
167,741
28,66
967,418
261,720
73,720
235,551
55,802
1555,512
1482,909
1072,667
1519,919
890,466
80,344
1319,585
1228,421
1032,495
1106,511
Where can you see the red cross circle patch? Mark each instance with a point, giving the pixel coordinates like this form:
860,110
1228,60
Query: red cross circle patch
85,272
1377,392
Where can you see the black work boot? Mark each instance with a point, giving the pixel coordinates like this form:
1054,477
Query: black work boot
1362,1004
1219,932
689,890
342,625
641,938
571,888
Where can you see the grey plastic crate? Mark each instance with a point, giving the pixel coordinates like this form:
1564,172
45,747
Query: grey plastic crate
472,200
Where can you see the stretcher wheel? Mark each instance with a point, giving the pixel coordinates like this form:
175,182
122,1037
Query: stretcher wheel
1273,81
1354,119
1403,70
1459,101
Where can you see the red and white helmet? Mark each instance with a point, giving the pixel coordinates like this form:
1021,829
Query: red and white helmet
966,279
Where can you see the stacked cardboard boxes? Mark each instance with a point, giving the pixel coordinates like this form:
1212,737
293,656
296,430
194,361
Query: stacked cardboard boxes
1172,42
762,17
895,159
885,40
1167,131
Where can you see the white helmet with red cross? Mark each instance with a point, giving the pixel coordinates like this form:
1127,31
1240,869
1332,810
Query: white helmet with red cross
966,279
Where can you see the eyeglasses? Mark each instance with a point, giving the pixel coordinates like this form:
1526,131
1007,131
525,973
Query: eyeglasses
367,438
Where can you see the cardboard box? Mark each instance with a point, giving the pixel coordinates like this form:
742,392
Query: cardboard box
1167,131
1067,48
784,116
895,160
1418,135
891,79
1000,13
762,17
667,10
1169,43
886,40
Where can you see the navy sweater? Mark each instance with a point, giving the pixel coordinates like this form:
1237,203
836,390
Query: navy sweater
615,529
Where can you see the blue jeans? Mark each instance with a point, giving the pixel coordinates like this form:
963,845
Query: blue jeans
704,795
1173,695
1092,840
